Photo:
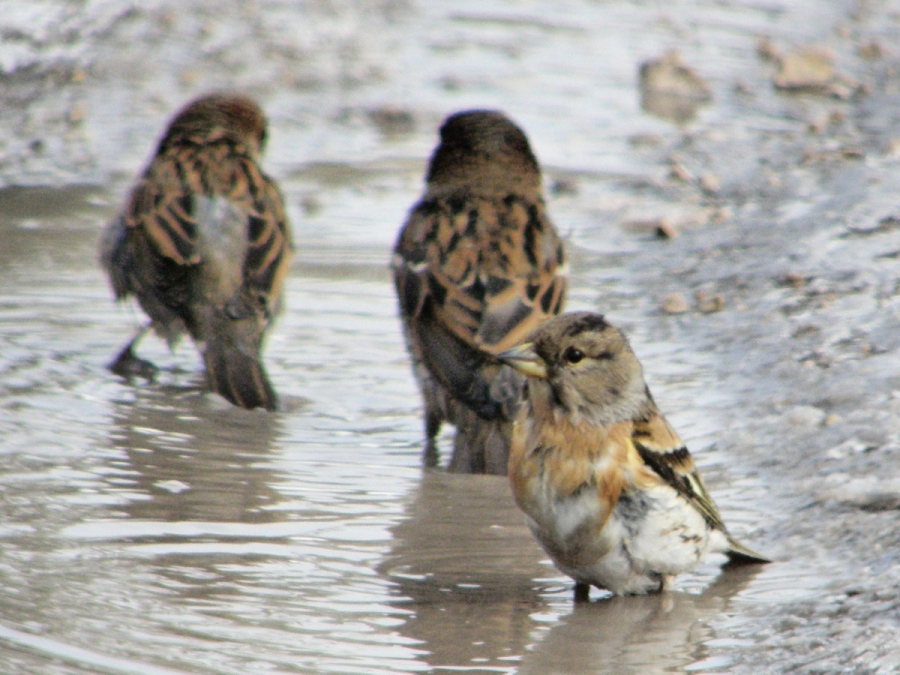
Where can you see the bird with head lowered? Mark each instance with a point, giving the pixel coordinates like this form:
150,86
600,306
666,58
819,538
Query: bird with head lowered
204,245
477,266
607,486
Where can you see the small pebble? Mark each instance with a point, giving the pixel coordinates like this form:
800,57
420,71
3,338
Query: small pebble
709,183
665,230
674,303
767,51
709,304
794,279
720,214
806,416
806,68
76,114
659,227
564,186
678,172
871,50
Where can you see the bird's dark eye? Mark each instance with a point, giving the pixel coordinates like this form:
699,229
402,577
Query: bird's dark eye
573,355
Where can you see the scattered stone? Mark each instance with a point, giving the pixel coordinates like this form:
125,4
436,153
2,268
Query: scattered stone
709,183
743,87
670,89
659,227
767,51
665,230
794,279
806,416
815,359
807,68
871,50
77,113
190,78
804,330
311,205
720,214
872,494
811,69
674,303
816,126
645,140
886,224
564,186
678,171
708,304
845,89
392,121
451,83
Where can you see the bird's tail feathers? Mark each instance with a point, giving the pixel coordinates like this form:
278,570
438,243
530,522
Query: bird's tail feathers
239,376
739,554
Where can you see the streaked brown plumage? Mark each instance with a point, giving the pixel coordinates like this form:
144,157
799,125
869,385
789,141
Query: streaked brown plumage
607,486
204,244
477,266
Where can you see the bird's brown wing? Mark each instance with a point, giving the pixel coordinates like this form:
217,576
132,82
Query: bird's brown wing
661,449
475,276
270,247
162,213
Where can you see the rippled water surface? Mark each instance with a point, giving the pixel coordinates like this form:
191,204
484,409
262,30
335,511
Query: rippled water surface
152,528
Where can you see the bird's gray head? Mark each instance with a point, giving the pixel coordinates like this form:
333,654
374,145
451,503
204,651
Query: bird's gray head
582,366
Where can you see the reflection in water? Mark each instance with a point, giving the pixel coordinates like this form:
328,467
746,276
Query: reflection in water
640,634
465,564
481,593
196,462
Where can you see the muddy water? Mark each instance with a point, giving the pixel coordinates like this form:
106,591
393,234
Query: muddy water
155,529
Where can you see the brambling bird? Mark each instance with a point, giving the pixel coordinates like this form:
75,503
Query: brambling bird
608,487
204,244
477,266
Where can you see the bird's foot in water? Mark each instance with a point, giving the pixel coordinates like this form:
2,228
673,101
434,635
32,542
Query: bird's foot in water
129,365
582,592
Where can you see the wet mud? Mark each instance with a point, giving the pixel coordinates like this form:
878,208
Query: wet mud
744,232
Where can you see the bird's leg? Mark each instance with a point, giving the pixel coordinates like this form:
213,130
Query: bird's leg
582,592
666,582
431,455
127,364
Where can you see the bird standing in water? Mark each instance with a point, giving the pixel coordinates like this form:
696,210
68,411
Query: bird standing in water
204,244
608,487
477,266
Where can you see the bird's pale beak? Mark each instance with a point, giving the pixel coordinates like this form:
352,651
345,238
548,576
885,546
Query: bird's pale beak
524,359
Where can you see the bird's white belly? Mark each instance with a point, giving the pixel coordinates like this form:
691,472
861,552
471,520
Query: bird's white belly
649,535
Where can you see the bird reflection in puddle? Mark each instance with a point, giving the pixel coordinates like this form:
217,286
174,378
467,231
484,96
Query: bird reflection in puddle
473,581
